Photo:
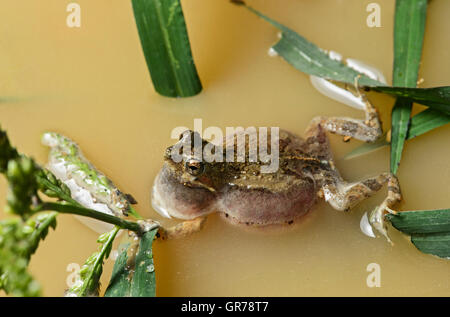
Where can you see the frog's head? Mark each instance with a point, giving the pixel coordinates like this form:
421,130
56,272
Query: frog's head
186,185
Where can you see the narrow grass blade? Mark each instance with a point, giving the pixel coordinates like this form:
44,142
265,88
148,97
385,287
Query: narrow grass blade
309,58
437,98
165,43
134,271
399,128
421,123
409,29
425,121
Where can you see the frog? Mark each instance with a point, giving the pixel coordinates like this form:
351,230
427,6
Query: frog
190,189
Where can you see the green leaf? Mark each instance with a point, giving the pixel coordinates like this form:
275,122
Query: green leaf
421,221
437,243
119,285
429,229
409,29
40,226
399,128
309,58
437,98
165,43
421,123
90,273
134,271
425,121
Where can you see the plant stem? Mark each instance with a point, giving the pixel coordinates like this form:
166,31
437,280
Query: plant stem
81,211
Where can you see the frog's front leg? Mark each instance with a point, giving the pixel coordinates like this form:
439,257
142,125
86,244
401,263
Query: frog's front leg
368,130
182,229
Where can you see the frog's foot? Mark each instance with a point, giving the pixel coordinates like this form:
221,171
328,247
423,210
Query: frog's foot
182,229
377,217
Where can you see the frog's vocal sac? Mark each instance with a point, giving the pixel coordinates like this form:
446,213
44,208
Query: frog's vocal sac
191,189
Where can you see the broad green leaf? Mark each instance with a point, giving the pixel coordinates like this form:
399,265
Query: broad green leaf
134,271
421,221
436,243
119,285
165,43
437,98
429,229
409,29
143,284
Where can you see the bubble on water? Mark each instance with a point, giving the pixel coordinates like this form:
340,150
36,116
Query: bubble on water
150,268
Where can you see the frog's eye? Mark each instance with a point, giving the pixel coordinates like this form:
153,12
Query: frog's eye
194,167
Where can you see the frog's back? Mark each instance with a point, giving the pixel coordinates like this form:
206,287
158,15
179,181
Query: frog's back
256,198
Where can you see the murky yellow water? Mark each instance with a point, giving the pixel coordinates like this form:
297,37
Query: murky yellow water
92,84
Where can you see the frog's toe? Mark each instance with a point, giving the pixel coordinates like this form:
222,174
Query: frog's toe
378,221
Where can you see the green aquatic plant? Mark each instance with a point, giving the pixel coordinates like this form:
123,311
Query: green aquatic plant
30,222
409,29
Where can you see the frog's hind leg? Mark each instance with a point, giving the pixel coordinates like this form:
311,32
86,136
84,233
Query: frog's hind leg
339,193
342,195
